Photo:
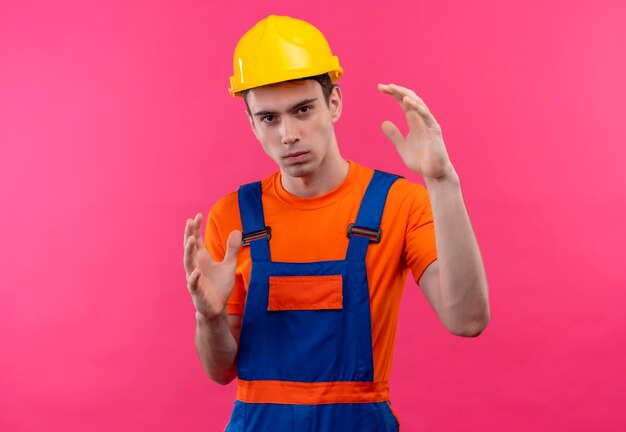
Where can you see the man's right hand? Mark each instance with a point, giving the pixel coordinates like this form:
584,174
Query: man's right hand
210,283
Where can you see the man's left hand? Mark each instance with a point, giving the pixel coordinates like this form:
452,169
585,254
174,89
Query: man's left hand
422,150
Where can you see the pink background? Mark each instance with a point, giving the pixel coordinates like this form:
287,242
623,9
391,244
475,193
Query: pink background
116,125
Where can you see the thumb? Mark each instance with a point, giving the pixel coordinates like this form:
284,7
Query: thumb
392,132
233,245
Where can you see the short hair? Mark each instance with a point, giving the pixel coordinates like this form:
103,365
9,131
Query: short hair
323,79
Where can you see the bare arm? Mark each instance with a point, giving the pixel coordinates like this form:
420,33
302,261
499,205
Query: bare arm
217,344
210,284
455,284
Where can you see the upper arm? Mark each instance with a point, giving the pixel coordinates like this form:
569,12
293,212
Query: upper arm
420,250
429,283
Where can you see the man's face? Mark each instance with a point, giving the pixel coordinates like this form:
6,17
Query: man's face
295,125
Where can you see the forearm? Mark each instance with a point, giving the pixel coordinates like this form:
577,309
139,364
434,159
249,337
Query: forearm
217,348
463,283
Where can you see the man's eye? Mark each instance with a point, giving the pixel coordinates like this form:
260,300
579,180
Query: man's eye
267,118
305,109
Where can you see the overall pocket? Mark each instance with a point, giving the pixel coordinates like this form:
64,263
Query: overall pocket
305,293
305,326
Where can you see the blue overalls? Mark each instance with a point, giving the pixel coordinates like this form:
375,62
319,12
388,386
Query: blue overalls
302,367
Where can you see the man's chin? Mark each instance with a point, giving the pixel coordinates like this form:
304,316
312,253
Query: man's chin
299,170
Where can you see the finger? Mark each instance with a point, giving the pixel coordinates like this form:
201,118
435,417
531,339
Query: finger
396,90
399,93
414,101
414,115
198,221
418,103
382,87
192,280
187,232
400,99
392,132
198,226
403,91
190,254
232,246
422,110
387,89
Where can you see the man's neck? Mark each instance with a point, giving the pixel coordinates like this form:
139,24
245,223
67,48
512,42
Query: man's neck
328,177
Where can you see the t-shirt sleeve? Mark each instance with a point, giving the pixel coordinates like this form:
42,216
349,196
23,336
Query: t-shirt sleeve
420,248
215,240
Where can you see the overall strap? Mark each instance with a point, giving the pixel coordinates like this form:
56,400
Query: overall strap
366,229
255,233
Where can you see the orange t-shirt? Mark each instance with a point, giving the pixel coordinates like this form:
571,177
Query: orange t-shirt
315,229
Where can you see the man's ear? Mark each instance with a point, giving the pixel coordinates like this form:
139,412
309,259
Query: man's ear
335,103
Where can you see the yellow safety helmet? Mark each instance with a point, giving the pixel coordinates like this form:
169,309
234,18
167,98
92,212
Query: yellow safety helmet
280,48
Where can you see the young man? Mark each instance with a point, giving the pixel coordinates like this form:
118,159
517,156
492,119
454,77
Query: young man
305,313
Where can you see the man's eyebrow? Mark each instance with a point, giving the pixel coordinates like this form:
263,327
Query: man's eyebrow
293,107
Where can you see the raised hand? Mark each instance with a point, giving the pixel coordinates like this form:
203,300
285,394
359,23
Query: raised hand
422,150
210,283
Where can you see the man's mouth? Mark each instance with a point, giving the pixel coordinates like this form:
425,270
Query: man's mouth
295,154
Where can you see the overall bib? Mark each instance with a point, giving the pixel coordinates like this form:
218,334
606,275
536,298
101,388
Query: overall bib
305,358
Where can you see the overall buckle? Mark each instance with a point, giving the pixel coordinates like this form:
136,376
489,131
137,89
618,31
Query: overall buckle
256,235
373,235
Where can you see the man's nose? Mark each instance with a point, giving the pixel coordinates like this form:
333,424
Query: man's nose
289,131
